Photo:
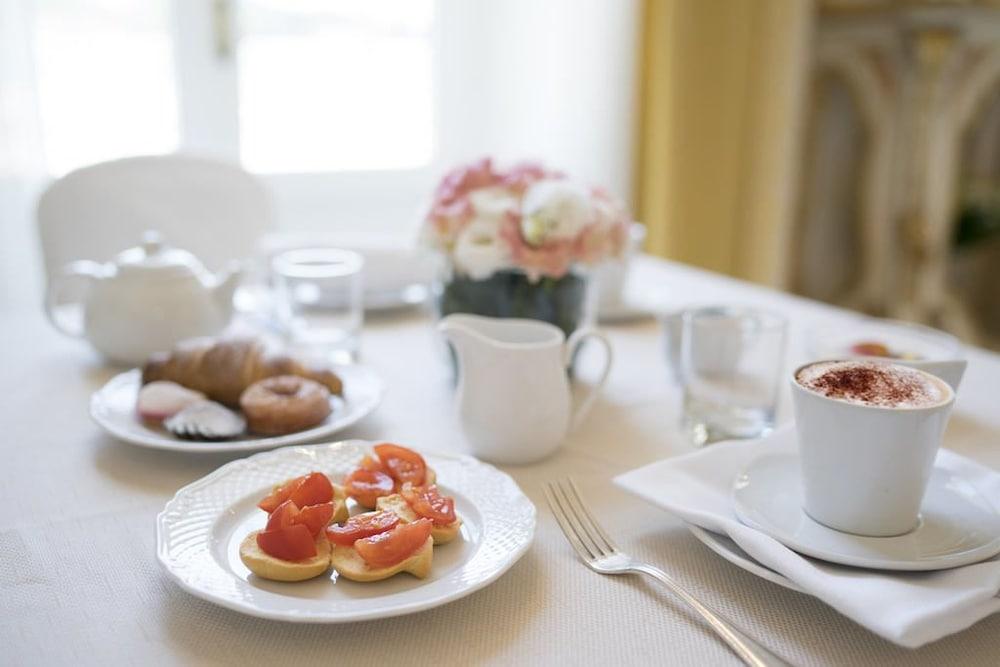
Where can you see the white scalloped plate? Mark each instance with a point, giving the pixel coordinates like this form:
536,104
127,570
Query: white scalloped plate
199,531
113,408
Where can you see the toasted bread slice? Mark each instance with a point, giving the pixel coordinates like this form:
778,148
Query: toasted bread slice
340,511
277,569
349,563
397,503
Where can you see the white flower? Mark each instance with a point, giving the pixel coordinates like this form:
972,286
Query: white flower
554,210
492,203
478,251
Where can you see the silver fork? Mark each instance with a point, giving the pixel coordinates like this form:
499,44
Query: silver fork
601,555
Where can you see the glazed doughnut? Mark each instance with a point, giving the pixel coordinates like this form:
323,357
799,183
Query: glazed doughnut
284,404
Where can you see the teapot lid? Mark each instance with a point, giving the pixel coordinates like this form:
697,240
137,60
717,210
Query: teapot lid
154,257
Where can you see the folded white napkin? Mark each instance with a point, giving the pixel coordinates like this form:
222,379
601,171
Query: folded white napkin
910,609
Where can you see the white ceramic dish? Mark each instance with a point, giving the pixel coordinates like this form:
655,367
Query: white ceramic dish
908,338
113,408
957,525
199,531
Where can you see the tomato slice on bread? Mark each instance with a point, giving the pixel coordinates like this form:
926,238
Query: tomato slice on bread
314,489
404,465
394,546
315,517
372,463
361,526
292,543
311,489
280,495
367,486
284,516
430,504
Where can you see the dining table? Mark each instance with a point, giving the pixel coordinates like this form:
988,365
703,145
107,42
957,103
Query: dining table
80,582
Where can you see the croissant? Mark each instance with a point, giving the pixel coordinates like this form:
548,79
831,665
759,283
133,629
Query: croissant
222,369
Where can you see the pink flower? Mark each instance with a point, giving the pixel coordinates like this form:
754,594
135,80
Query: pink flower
552,258
599,241
523,175
451,209
461,181
477,213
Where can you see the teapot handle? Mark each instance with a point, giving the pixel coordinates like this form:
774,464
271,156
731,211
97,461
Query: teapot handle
572,345
70,325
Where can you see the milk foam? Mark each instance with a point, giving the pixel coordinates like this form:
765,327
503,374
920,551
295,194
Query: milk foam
872,383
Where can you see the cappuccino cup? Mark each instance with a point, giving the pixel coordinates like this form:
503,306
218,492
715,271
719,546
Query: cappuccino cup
868,433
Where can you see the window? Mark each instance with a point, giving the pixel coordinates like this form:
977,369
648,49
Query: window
316,96
349,110
95,102
335,86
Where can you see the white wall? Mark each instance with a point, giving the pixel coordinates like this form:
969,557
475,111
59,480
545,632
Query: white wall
553,80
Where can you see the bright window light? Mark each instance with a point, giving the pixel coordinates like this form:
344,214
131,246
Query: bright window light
105,74
330,86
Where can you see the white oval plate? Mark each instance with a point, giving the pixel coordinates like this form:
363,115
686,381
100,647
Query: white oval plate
199,531
113,408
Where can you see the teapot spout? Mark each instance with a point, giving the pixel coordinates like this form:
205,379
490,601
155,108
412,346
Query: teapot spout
225,287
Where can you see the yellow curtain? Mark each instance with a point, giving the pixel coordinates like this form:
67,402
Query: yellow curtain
721,86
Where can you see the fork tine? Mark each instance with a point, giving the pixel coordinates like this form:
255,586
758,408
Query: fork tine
611,546
577,520
564,524
585,525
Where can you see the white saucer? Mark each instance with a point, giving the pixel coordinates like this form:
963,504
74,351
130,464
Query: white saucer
957,527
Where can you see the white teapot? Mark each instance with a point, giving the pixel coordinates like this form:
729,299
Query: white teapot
146,300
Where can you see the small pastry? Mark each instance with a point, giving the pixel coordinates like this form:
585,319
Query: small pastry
206,420
285,404
222,369
162,399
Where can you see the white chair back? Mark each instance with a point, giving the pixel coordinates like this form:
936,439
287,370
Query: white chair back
213,209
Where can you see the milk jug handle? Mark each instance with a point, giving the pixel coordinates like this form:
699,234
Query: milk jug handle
569,351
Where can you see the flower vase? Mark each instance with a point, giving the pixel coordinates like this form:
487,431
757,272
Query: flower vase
565,302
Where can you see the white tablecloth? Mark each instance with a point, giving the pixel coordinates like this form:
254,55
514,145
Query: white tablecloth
79,582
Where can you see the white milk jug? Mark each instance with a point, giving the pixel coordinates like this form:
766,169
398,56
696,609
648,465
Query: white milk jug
514,399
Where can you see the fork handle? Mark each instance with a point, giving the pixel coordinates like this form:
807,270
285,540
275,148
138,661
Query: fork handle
749,650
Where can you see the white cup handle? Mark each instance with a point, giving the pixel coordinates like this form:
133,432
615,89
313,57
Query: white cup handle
74,271
572,344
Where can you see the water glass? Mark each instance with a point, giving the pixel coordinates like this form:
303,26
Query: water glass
731,368
319,300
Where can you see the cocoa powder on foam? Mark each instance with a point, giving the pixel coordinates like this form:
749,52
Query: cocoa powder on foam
870,383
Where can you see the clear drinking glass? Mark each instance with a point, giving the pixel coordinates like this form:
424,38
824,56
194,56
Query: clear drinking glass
318,300
731,367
